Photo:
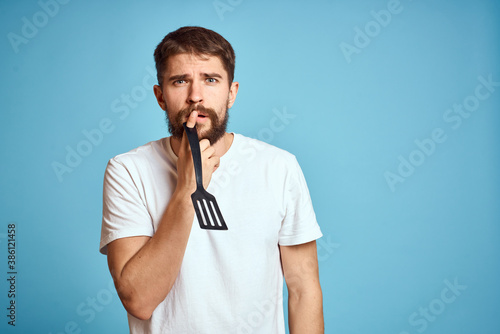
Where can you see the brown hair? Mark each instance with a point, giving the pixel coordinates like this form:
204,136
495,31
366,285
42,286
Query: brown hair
198,41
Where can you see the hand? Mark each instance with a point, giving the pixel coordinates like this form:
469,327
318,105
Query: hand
185,168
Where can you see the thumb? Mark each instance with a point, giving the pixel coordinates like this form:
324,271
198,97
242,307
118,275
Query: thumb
191,122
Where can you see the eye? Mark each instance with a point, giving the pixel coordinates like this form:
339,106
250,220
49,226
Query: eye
179,82
211,80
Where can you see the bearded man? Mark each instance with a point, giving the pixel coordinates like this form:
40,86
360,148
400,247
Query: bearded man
171,275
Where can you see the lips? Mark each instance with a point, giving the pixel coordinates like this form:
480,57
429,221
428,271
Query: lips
204,113
200,109
200,116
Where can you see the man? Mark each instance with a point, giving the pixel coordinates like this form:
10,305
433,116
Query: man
172,276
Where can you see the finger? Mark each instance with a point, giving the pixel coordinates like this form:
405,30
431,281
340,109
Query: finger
191,122
217,162
204,144
209,152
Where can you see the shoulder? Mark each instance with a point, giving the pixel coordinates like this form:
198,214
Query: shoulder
253,149
142,161
150,152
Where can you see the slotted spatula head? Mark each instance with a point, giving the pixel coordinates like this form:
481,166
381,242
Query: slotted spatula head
205,205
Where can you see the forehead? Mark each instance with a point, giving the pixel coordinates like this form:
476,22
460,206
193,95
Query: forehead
188,63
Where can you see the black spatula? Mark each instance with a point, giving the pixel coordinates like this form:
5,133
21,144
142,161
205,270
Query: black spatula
205,205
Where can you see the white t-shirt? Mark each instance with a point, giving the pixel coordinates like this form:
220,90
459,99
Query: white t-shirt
230,281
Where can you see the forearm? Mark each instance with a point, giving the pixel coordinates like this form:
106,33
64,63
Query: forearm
148,276
305,312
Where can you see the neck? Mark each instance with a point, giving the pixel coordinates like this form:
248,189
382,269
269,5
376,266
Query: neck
221,146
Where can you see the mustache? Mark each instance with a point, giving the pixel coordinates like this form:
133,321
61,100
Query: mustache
218,124
184,113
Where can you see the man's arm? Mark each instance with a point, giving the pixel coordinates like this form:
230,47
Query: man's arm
305,300
144,269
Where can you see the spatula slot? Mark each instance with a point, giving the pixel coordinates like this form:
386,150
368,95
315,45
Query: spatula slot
214,215
201,209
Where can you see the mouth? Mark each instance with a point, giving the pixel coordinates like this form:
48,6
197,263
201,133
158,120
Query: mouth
201,119
204,114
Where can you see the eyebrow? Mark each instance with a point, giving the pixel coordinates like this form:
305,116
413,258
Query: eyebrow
178,77
185,76
212,75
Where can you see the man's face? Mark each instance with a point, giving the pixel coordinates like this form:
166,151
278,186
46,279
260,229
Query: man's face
190,83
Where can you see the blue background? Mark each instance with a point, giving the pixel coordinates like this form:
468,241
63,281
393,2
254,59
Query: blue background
390,248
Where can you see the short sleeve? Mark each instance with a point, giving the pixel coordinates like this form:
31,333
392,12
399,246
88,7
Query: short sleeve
124,213
299,225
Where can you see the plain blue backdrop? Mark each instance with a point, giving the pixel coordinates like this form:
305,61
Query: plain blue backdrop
393,115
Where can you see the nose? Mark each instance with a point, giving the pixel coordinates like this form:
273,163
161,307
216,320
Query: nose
195,93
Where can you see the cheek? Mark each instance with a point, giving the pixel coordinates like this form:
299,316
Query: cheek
170,98
173,102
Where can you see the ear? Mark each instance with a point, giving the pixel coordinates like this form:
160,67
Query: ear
233,91
159,97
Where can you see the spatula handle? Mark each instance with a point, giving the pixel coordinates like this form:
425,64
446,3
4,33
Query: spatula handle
194,143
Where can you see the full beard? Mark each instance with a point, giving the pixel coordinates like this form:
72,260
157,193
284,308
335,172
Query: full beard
213,134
